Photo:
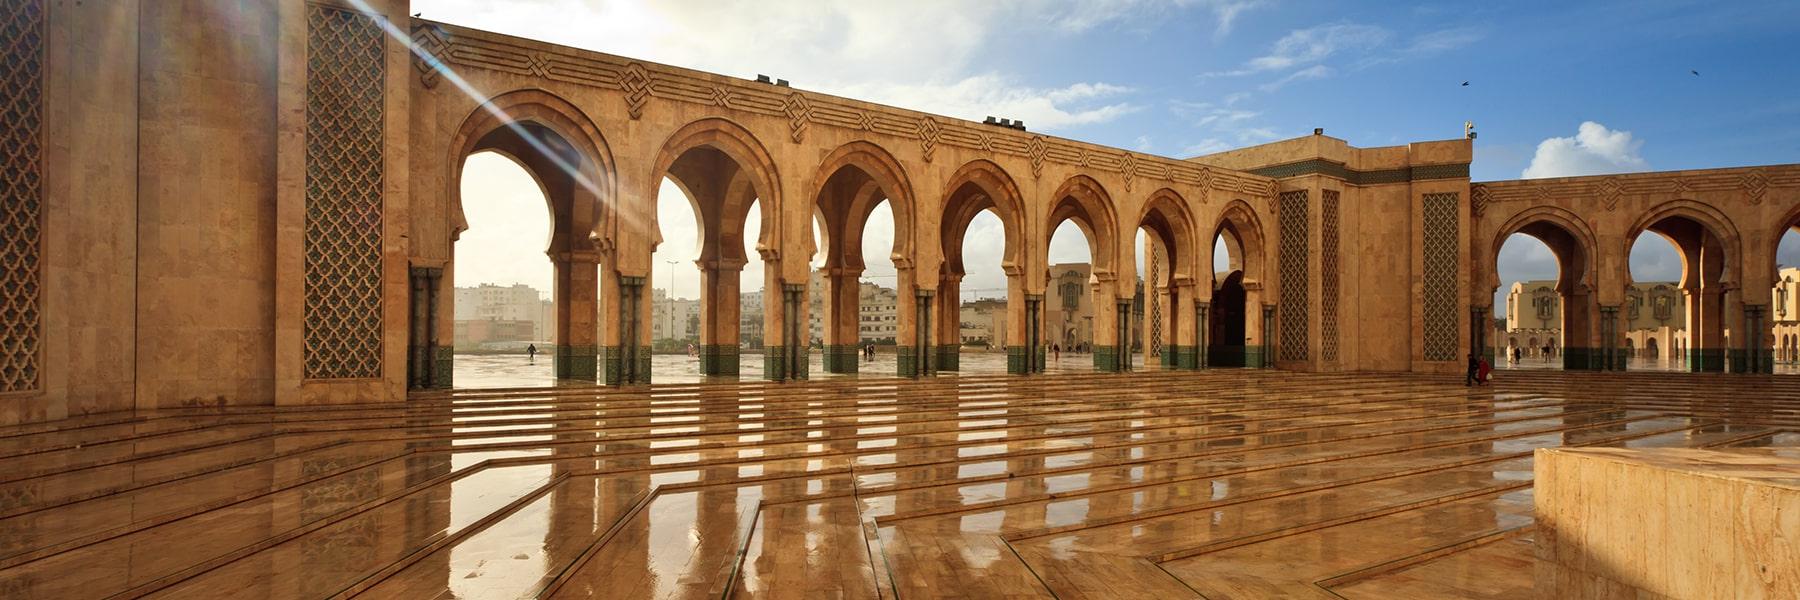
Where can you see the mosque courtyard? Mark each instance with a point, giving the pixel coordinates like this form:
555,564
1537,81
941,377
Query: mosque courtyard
1155,484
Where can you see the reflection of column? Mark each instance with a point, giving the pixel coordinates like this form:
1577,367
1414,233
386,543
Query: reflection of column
842,319
1124,355
719,316
1266,357
576,298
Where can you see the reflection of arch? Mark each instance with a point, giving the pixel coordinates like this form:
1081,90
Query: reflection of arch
553,140
868,174
1165,214
736,171
977,186
1084,201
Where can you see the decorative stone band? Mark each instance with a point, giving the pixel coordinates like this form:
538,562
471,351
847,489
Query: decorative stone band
1330,168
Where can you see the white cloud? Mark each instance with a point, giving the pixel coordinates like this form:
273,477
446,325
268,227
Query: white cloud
1311,45
1206,146
1312,72
1593,150
977,96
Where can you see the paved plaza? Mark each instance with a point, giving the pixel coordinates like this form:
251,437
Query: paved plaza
1165,484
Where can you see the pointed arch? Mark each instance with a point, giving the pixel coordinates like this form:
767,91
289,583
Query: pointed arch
976,186
551,138
1569,238
1710,220
1086,202
754,180
1166,213
1239,219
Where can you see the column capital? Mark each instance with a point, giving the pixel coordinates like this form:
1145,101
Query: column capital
721,264
575,256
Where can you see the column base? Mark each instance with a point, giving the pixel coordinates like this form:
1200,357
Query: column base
643,365
906,361
1256,358
443,364
576,362
1706,360
612,357
1171,357
719,360
1106,359
949,357
842,358
774,367
1016,363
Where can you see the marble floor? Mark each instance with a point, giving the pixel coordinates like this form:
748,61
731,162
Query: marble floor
1156,484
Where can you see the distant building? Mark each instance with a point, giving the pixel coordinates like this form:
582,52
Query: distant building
488,314
674,321
1654,320
1069,307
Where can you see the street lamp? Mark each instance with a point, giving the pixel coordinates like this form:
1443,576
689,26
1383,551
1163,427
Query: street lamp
672,264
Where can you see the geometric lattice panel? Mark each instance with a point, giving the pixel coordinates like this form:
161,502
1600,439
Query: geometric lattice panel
1294,307
1441,258
21,192
1328,275
345,82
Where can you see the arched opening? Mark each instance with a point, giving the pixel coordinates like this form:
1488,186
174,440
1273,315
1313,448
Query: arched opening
981,286
713,175
1080,226
1235,319
1072,295
863,210
675,292
1542,286
1783,315
1163,331
1675,250
526,326
503,312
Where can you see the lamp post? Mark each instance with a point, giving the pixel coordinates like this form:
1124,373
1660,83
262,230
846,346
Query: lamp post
672,264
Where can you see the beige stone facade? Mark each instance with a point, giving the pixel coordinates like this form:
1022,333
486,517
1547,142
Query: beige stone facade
308,189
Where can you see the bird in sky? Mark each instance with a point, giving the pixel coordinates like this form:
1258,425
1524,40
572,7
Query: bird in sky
1696,73
1465,84
415,15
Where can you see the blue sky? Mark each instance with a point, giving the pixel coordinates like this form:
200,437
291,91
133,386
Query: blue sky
1577,87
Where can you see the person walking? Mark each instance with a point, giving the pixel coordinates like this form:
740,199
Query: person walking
1481,375
1057,351
531,353
1474,369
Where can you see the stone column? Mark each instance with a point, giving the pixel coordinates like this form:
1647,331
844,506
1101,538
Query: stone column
1266,358
1259,324
796,359
948,315
1202,327
576,292
1019,317
1757,335
1609,356
774,323
1479,323
842,320
1581,344
1166,340
1705,329
720,313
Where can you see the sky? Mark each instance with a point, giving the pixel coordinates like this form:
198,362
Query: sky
1555,89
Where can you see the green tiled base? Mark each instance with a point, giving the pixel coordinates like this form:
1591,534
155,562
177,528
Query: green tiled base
1106,358
774,368
611,357
443,368
906,361
805,365
1706,360
842,358
1015,360
1187,357
643,365
576,362
949,357
719,360
1253,357
1171,357
1765,363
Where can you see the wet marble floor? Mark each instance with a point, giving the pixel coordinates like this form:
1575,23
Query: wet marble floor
1156,484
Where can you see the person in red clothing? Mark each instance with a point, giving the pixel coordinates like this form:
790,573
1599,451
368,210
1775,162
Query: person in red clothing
1481,375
